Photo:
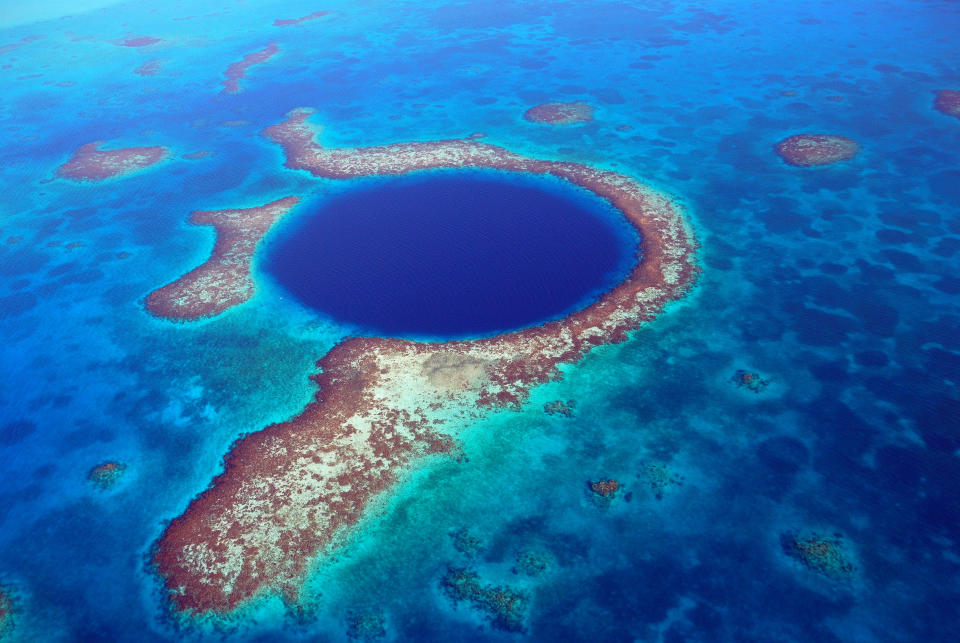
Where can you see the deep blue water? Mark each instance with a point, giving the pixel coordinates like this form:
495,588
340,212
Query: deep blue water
453,254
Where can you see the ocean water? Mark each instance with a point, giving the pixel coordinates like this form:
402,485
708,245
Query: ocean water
837,286
452,254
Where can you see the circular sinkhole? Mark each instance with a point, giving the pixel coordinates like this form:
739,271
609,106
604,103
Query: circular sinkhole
453,254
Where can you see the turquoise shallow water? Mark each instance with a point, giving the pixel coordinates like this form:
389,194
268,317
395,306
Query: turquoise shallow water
837,285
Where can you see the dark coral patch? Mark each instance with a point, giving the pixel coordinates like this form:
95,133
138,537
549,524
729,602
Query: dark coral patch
532,562
560,113
605,488
825,555
6,613
107,474
807,150
948,102
236,71
139,41
149,68
294,22
751,381
367,625
559,407
504,606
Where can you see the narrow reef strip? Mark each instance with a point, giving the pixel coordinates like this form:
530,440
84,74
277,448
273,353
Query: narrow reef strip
295,22
291,492
223,280
236,71
89,163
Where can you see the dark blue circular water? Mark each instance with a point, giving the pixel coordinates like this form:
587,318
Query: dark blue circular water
453,254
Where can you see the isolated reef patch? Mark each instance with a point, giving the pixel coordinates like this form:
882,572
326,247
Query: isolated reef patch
948,102
107,474
236,71
139,41
6,613
807,150
825,555
560,113
290,492
89,163
149,68
293,22
223,280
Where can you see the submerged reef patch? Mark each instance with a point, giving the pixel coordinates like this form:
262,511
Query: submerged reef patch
825,555
807,150
504,606
659,477
560,113
238,70
223,280
107,474
139,41
366,625
150,67
948,102
293,22
605,488
6,613
465,542
89,163
559,407
749,380
532,562
289,492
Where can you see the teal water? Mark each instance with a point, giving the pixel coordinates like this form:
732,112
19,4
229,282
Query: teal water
837,285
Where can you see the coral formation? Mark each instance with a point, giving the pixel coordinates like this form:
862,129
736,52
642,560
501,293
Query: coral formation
560,113
749,380
236,71
504,606
807,150
293,22
107,474
825,555
384,405
465,542
559,407
139,41
223,280
366,625
89,163
659,478
149,68
532,562
948,102
605,488
6,612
